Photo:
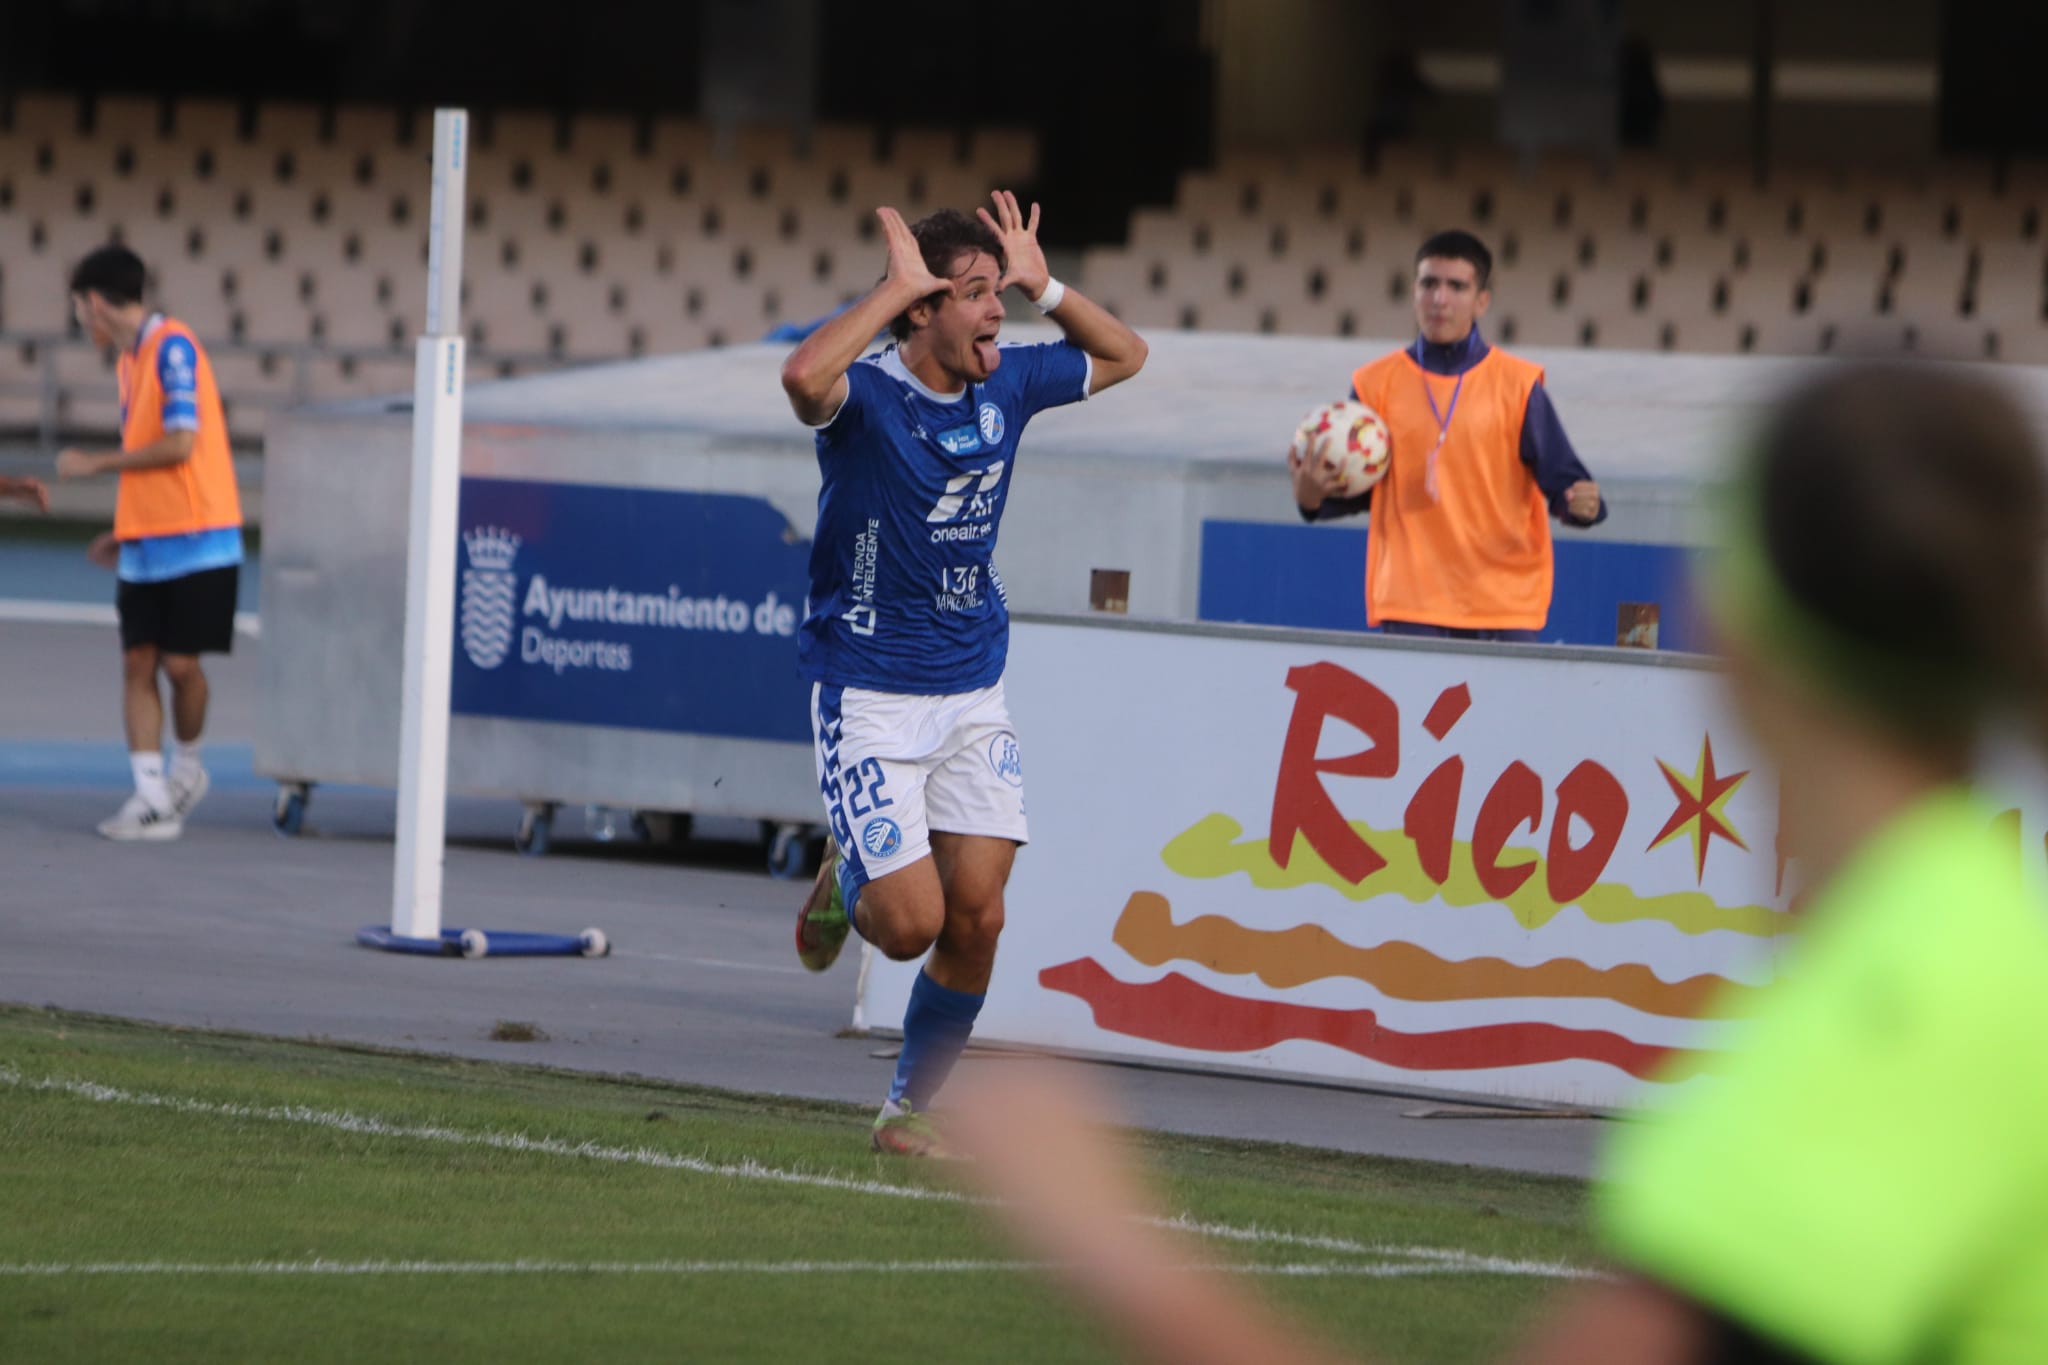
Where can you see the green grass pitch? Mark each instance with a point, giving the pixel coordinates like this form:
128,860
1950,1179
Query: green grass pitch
169,1195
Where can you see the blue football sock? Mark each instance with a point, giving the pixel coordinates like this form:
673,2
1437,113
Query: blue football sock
849,896
935,1029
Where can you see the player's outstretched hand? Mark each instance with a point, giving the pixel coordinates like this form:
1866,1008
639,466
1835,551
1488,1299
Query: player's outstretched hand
1024,259
1069,1190
906,262
1038,1142
30,491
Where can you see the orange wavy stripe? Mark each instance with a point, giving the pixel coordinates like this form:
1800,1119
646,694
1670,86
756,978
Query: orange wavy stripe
1284,958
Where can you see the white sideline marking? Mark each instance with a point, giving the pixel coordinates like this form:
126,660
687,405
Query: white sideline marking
508,1142
55,1269
96,614
1462,1261
326,1267
1449,1261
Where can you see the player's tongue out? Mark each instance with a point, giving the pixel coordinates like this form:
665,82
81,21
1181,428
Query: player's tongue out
985,351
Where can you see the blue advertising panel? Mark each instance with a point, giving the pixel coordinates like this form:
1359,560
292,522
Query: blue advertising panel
1313,577
630,607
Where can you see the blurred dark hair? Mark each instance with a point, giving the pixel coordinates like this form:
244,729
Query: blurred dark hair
1459,245
1906,508
113,272
943,238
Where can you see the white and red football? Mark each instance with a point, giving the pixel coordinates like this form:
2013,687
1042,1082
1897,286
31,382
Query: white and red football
1347,437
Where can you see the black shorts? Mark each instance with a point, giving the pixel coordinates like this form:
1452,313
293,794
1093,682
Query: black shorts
194,614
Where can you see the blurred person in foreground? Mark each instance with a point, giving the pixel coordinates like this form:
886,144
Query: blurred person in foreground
1866,1179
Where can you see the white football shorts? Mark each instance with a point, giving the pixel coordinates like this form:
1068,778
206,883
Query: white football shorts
893,767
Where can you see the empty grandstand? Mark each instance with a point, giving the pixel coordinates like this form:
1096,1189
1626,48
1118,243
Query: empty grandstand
296,236
1800,186
1647,254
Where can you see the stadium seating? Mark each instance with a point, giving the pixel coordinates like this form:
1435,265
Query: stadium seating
293,238
296,234
1641,254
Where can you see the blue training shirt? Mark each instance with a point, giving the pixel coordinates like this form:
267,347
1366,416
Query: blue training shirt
157,559
904,592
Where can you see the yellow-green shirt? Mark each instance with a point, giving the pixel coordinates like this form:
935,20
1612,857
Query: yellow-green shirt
1865,1179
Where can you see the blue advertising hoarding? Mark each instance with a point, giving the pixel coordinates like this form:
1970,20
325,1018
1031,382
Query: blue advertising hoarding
630,607
1313,577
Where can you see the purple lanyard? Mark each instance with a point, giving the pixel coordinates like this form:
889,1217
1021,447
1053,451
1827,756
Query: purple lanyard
1443,416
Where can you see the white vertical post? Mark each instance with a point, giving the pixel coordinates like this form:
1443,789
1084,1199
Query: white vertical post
430,552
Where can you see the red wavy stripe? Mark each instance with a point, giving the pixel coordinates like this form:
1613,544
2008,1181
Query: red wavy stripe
1183,1013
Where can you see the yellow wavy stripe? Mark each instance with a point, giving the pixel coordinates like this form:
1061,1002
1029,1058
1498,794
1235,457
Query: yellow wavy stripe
1211,848
1285,958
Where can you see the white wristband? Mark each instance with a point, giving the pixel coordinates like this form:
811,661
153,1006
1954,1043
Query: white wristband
1051,297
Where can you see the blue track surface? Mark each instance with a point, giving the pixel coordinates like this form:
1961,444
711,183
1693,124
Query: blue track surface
58,571
92,765
102,765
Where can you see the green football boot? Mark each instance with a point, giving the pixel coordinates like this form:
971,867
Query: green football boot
821,925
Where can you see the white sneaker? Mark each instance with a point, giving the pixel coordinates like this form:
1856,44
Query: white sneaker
187,794
138,820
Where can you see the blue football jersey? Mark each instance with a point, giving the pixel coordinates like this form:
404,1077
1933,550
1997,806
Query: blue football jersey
904,592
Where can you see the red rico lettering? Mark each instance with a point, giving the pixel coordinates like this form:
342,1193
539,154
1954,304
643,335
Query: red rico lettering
1516,799
1302,806
1596,796
1431,821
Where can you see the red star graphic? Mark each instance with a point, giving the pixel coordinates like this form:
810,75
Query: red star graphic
1701,799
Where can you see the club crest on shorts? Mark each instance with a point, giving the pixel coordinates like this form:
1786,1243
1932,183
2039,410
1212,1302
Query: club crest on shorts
991,418
1004,759
880,837
489,587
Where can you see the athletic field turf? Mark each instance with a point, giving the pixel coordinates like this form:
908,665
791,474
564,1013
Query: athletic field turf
181,1196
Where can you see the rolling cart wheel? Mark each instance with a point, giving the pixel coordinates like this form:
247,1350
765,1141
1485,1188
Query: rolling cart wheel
601,823
788,852
288,816
661,827
536,828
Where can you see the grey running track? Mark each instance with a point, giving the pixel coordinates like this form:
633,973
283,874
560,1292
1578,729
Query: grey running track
233,927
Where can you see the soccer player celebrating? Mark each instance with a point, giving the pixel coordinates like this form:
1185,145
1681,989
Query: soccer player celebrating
908,628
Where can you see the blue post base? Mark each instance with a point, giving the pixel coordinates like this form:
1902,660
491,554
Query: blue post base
488,943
